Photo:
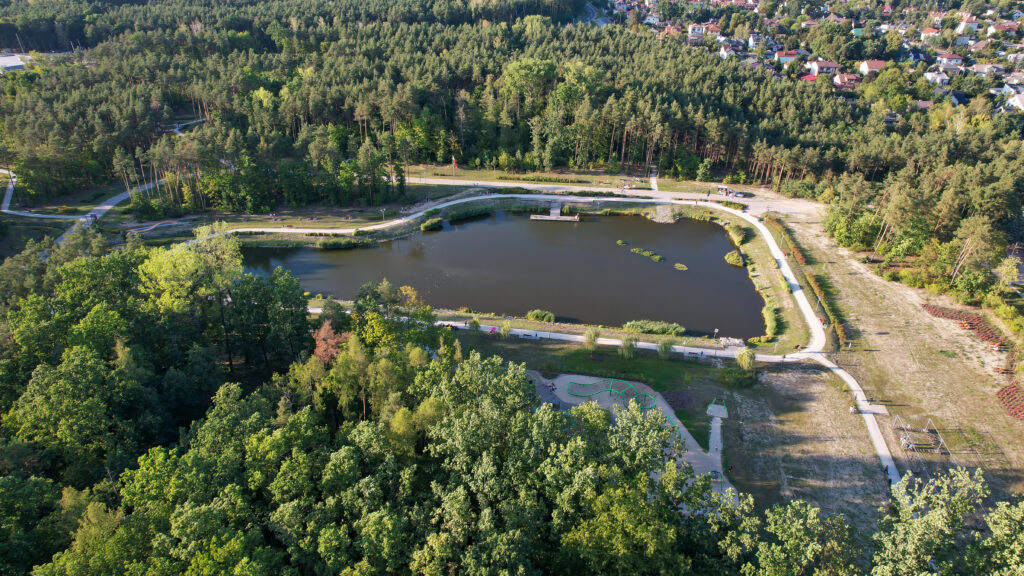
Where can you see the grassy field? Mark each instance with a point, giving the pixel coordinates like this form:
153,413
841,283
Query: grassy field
79,203
21,230
569,178
788,436
923,368
313,216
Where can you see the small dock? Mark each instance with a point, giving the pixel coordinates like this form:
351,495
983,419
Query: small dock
556,215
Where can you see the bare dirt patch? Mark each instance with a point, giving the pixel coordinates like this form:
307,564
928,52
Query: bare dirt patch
792,437
922,368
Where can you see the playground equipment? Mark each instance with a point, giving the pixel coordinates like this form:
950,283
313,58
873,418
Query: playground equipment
620,388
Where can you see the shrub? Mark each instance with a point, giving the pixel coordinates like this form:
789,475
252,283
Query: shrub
654,327
339,244
734,258
590,339
737,234
665,349
473,324
745,359
540,315
506,329
470,212
628,347
363,232
432,212
770,323
432,224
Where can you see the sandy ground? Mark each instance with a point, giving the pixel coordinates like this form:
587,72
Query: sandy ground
702,462
922,368
793,436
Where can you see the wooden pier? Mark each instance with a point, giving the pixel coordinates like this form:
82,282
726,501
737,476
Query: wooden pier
556,215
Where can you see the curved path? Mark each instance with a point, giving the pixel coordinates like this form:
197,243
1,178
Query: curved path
814,350
94,214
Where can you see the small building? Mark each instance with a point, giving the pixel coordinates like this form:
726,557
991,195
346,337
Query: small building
845,81
968,25
786,56
929,33
937,78
725,51
988,70
1016,101
820,67
949,58
1008,27
871,67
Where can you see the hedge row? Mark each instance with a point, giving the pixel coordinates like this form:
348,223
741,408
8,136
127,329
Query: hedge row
791,247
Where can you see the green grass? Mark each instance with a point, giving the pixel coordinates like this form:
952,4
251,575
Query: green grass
579,178
21,230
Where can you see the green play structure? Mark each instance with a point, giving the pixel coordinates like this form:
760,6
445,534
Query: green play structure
624,390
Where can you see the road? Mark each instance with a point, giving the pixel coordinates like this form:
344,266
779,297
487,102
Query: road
814,351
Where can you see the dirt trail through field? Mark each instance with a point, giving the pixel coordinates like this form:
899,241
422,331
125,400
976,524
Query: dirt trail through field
921,367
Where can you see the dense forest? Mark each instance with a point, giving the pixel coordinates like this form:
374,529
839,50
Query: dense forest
165,414
328,102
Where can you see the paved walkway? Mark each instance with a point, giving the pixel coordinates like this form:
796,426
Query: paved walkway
96,213
814,350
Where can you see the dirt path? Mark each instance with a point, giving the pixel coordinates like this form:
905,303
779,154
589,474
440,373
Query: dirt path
921,367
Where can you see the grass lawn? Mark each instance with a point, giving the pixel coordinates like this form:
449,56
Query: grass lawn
79,203
21,230
569,178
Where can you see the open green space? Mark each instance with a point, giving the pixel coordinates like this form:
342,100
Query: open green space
18,231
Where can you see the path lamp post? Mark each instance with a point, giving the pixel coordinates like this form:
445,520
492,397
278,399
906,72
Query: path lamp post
716,334
382,210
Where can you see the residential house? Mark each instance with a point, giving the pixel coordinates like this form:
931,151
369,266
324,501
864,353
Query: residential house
820,67
808,78
712,30
929,33
753,41
725,51
1011,90
871,67
937,78
949,58
950,70
786,56
987,69
1016,101
846,81
671,30
1008,27
968,25
980,46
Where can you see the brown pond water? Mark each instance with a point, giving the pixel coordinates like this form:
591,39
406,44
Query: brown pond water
508,264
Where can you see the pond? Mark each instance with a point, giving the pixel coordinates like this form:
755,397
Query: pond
509,264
